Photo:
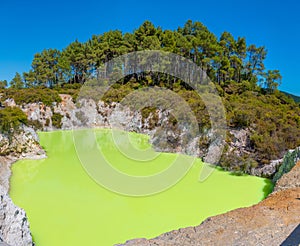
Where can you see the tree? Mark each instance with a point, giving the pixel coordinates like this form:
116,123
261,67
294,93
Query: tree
75,57
29,79
239,59
225,60
45,70
234,51
146,36
168,41
255,65
17,82
3,84
272,80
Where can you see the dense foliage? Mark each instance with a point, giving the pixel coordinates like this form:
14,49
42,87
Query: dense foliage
274,121
224,59
27,95
295,98
56,120
11,118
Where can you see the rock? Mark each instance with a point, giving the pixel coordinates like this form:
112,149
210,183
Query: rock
267,170
23,143
87,113
14,226
9,103
31,133
5,163
214,152
289,180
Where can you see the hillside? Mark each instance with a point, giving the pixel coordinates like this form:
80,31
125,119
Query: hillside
295,98
262,122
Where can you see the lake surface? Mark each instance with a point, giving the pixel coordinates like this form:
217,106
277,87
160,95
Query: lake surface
66,207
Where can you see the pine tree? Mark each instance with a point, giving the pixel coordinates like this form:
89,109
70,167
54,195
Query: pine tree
17,82
272,80
3,84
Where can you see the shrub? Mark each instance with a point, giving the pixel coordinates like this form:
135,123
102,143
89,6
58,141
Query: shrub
47,123
70,89
11,118
37,125
56,120
274,123
240,119
237,164
36,95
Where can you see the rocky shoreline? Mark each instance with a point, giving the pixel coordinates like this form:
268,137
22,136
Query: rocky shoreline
14,225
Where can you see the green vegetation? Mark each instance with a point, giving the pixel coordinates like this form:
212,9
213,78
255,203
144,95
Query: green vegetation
3,84
17,82
295,98
36,124
225,59
146,112
289,161
70,89
11,118
56,120
27,95
273,120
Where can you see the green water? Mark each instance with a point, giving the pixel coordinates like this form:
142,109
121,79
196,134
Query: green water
66,207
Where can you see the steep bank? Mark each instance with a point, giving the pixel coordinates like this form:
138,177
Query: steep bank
14,226
268,223
156,123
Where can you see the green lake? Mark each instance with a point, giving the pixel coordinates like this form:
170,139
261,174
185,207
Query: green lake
66,207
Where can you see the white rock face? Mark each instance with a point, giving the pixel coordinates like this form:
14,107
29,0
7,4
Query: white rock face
163,135
87,113
14,229
24,143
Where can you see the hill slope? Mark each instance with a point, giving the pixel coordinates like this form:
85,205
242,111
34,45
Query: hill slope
295,98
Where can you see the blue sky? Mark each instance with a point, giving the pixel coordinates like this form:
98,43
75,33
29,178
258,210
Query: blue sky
30,26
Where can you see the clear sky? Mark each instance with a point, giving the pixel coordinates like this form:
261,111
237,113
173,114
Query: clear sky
30,26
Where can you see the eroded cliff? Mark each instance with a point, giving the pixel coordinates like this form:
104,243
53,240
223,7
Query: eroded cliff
165,134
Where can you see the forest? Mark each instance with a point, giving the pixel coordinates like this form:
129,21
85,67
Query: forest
224,59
